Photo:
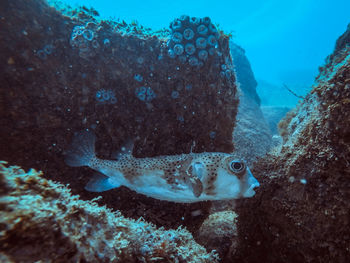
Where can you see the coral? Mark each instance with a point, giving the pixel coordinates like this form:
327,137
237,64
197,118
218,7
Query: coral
202,30
41,54
145,93
191,33
201,43
106,96
42,221
190,49
48,49
193,61
138,78
203,55
178,49
84,37
188,34
212,41
176,37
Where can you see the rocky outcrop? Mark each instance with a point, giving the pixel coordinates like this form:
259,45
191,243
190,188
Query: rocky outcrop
219,232
244,72
42,221
66,70
251,137
273,115
301,210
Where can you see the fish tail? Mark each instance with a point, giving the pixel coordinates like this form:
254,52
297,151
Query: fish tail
82,149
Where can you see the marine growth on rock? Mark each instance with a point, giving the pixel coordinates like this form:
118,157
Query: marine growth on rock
193,39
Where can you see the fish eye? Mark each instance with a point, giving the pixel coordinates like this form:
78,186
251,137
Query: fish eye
237,166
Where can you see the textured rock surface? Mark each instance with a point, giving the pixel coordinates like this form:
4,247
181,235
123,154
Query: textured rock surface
42,221
301,211
251,136
62,73
273,115
244,73
219,232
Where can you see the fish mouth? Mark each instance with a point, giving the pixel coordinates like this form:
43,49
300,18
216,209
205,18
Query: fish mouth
251,182
250,192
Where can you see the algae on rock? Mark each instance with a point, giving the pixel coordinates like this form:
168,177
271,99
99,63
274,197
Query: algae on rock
301,211
42,220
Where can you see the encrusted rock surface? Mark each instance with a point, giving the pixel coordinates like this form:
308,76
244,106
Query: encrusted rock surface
42,221
219,232
65,71
273,115
301,210
244,72
251,136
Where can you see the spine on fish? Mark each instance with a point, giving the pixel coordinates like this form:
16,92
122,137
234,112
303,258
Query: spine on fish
82,150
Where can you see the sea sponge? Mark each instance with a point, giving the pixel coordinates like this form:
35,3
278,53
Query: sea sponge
42,221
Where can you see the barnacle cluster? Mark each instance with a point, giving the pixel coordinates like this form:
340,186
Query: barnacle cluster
43,53
145,93
193,40
42,221
106,96
84,38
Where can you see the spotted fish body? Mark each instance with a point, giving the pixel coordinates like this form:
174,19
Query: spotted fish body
184,178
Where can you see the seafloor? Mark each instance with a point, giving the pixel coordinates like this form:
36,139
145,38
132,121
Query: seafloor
64,70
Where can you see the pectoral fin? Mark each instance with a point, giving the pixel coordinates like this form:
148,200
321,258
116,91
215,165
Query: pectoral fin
192,174
101,183
197,186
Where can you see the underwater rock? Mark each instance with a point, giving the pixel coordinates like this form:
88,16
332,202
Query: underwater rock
273,115
62,61
199,38
252,136
338,54
244,72
42,221
219,232
301,211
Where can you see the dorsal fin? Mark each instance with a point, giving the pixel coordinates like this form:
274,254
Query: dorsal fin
125,151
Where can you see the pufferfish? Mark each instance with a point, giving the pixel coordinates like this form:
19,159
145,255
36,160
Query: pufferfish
184,178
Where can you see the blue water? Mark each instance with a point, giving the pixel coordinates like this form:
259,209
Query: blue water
285,41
